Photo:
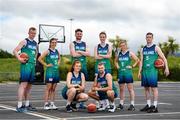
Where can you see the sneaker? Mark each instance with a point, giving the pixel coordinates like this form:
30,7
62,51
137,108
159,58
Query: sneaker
31,108
21,109
152,109
81,105
53,107
131,108
145,108
112,108
120,107
47,106
101,107
73,106
68,108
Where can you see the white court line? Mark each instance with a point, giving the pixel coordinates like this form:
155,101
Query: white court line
41,115
127,115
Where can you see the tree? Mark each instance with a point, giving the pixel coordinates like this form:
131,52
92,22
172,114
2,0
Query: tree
169,47
115,44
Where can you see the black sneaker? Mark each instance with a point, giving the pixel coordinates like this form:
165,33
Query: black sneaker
152,109
68,108
73,106
145,108
31,108
131,108
120,107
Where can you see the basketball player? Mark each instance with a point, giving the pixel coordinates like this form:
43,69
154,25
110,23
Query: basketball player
149,74
125,76
52,61
27,70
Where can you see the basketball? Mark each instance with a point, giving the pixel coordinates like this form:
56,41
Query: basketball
91,108
159,63
24,55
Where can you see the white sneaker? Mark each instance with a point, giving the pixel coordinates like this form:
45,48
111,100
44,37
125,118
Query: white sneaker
112,108
47,107
53,107
103,105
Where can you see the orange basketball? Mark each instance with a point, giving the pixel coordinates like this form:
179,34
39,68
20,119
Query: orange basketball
159,63
91,108
24,55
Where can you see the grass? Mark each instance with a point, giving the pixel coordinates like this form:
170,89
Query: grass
9,70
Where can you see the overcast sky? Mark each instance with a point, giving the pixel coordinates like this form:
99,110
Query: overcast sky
130,19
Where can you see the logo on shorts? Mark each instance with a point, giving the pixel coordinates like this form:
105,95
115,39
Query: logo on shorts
50,79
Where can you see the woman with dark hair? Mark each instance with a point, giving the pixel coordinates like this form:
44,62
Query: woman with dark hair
73,92
52,61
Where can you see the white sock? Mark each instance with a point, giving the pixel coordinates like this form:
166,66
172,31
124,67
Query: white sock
107,102
19,104
27,103
122,102
155,104
149,103
68,103
132,102
46,103
52,103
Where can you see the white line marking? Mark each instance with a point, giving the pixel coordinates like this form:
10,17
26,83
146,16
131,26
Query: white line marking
127,115
41,115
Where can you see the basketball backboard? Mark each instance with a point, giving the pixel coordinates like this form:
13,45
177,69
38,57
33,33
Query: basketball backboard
46,32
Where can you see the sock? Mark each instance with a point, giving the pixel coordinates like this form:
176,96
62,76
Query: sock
68,103
155,104
122,102
107,102
27,103
46,103
149,103
52,103
132,102
19,104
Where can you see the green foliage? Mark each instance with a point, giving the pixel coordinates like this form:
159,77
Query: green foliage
169,47
115,44
174,68
5,54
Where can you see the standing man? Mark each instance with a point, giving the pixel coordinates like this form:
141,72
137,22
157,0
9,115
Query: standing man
79,51
149,74
27,70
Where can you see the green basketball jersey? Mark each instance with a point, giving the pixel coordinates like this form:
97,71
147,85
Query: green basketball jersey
103,51
149,57
31,50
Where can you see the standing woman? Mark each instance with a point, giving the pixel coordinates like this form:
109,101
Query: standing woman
125,76
103,53
73,92
52,61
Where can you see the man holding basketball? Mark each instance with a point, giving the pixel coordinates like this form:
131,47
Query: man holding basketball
79,51
149,74
27,70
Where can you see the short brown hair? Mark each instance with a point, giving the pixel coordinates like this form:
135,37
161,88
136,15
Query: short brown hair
102,33
149,33
78,30
32,28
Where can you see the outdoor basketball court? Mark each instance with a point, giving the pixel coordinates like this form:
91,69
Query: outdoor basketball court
168,104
